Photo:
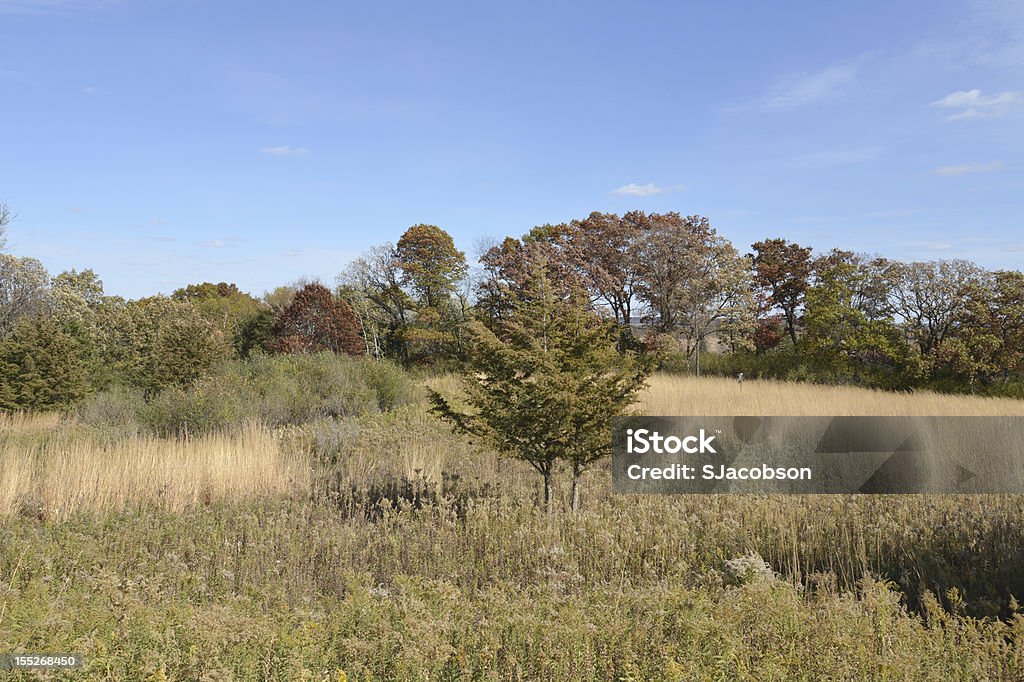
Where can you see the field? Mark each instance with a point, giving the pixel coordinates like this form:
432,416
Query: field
384,547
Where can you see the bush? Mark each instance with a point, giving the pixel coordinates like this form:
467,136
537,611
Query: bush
113,408
182,412
275,390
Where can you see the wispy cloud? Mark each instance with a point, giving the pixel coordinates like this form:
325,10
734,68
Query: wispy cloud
284,150
969,168
212,244
989,34
797,90
90,90
634,190
974,104
894,213
837,157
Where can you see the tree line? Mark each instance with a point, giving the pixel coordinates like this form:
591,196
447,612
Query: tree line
664,286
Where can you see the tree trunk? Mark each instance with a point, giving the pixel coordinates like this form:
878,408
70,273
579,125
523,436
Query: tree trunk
791,323
548,490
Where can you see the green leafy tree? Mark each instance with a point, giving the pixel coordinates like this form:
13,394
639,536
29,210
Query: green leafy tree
849,335
929,298
986,343
156,342
237,314
431,270
544,383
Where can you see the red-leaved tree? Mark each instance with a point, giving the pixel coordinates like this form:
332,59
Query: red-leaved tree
316,321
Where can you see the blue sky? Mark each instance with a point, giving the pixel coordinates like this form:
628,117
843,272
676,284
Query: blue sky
166,142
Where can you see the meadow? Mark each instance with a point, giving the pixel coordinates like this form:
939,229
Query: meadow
377,545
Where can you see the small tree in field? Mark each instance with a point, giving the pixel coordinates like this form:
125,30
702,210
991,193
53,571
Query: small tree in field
544,383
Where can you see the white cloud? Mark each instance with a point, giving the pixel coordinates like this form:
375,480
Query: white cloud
212,244
90,90
968,168
973,104
292,253
837,157
634,190
284,150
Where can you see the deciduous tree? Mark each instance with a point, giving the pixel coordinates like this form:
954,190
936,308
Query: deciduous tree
694,281
430,264
24,290
781,273
315,321
607,247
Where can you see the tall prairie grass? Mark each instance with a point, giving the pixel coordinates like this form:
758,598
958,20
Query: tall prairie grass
669,394
68,472
382,546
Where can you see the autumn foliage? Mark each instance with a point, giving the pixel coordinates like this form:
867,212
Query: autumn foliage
316,321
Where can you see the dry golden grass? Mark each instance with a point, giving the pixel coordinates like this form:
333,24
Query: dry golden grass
67,472
669,395
28,422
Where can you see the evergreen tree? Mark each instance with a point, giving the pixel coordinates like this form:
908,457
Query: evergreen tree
544,383
43,365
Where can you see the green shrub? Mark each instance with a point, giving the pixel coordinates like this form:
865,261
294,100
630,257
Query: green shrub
115,407
185,411
390,384
276,390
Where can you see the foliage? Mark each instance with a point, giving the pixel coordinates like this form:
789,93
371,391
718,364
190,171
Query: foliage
236,314
694,281
372,285
930,298
430,264
315,321
607,249
276,390
24,292
850,336
781,274
43,365
544,384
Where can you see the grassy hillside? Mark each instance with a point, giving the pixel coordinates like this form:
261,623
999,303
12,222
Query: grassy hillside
383,547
